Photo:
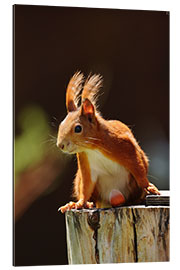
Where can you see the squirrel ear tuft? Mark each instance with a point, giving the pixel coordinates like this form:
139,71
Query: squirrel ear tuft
87,107
73,91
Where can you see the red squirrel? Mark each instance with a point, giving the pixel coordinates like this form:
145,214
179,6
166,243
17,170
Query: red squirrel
112,168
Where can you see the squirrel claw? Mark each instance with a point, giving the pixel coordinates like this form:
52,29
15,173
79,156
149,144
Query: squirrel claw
89,205
76,205
67,207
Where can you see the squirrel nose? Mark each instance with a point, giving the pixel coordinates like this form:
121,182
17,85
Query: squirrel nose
62,145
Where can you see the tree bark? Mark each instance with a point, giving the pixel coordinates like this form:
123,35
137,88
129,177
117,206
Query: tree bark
115,235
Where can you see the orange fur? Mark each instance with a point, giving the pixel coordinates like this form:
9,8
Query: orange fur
73,89
113,145
126,151
91,88
85,186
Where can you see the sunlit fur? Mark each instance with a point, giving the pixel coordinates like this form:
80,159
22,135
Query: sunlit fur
91,88
73,89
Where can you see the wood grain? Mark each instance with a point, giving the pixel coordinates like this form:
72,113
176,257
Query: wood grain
118,235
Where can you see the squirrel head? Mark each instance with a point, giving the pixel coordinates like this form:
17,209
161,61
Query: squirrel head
79,130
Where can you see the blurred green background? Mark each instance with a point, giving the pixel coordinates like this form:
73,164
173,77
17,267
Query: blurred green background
130,49
29,146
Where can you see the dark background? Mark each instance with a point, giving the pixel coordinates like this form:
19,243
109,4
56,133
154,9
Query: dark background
131,50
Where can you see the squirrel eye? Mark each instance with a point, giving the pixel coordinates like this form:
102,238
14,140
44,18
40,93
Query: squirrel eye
78,129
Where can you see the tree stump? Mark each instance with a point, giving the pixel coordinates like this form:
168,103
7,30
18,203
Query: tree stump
117,235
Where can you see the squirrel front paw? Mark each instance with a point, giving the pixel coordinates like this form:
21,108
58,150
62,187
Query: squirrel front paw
76,205
151,189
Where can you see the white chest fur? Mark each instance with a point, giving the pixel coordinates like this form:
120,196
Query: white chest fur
106,173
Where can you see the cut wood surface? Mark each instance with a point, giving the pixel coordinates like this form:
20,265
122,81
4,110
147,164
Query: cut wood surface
115,235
